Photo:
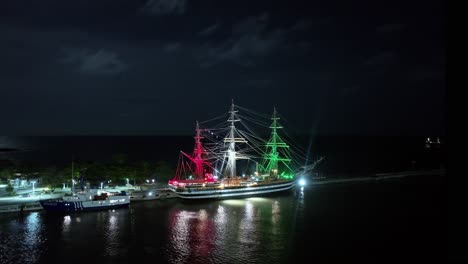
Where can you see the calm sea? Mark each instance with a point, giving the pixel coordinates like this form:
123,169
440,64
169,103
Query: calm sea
387,221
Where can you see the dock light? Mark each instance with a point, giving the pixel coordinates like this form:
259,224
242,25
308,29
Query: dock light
150,193
302,182
33,183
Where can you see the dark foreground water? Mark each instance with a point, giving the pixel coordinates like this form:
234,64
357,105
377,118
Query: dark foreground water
395,220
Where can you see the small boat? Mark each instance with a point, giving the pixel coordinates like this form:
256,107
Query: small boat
87,201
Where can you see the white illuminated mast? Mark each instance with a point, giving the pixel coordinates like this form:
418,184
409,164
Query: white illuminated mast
231,139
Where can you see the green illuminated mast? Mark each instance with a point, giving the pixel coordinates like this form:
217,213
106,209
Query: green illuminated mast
272,158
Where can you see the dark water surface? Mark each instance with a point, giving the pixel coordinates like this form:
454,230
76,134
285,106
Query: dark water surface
395,220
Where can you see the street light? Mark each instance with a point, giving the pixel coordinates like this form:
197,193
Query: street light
33,183
302,182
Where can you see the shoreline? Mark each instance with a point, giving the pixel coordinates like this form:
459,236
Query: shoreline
10,202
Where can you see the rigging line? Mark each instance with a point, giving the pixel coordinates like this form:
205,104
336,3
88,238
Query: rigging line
254,143
291,139
253,112
285,132
255,117
215,118
282,117
293,145
245,125
264,125
297,148
216,128
249,137
252,133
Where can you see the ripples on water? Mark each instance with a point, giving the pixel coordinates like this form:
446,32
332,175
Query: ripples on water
270,230
225,231
24,235
229,231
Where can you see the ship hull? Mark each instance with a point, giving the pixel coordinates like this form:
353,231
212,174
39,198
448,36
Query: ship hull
66,206
151,195
227,193
20,207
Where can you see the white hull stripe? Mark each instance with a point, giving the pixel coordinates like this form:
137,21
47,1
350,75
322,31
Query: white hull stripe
221,195
254,188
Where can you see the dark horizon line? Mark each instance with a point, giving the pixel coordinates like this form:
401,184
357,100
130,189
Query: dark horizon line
430,134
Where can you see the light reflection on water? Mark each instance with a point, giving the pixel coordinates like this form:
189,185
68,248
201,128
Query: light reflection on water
111,236
312,222
32,236
66,223
179,235
24,235
275,216
227,231
221,231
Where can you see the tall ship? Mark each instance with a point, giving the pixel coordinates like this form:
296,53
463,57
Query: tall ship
231,160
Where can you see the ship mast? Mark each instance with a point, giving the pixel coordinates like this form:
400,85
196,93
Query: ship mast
272,157
73,181
198,152
231,139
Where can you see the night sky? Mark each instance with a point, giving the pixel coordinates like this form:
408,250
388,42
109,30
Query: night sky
153,67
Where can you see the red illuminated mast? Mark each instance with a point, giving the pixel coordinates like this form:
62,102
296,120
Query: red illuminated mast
197,156
197,165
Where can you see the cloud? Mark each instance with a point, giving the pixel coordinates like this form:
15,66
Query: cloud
165,7
209,30
251,25
255,40
249,41
101,62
